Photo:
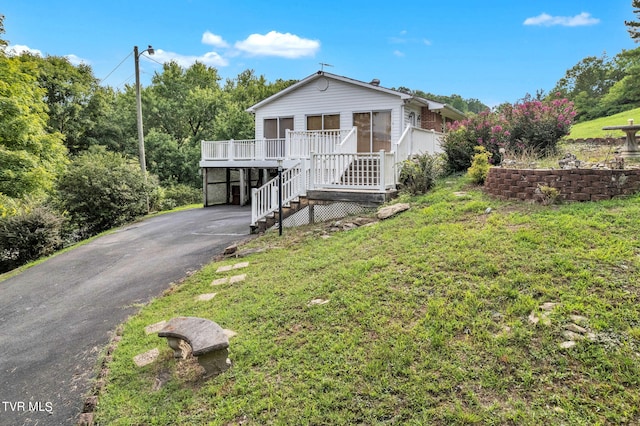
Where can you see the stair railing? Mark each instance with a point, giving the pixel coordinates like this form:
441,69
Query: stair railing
264,200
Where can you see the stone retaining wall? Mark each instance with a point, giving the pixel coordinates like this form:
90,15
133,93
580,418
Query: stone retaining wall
573,184
599,141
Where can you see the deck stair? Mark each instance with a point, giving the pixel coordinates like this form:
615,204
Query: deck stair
272,219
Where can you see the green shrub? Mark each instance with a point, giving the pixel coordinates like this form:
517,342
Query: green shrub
532,126
479,165
103,189
419,173
182,195
31,233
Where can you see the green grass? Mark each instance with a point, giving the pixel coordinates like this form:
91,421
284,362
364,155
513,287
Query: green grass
427,323
593,128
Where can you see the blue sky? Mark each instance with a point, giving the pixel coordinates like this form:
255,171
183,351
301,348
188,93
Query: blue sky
495,51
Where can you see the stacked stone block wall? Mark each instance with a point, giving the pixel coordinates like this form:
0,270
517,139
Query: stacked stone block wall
573,184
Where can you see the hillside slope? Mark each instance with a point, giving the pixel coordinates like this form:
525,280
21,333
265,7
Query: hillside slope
446,314
593,128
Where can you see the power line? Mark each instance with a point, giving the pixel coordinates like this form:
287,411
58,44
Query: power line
117,66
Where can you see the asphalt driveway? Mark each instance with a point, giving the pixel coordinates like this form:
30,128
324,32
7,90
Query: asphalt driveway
55,317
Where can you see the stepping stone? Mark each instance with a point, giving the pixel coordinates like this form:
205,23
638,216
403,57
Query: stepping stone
237,278
146,358
548,306
220,281
154,328
568,344
227,268
318,302
206,297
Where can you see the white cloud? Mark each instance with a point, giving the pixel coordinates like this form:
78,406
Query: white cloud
277,44
212,59
398,53
214,40
19,49
547,20
426,42
75,60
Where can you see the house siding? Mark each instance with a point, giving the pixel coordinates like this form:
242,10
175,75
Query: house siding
338,98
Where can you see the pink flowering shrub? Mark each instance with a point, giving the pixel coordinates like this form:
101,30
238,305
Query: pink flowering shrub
530,125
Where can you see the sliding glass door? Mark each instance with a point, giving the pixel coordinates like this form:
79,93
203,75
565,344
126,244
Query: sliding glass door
374,130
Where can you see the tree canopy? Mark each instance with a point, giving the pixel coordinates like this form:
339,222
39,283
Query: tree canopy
634,26
31,155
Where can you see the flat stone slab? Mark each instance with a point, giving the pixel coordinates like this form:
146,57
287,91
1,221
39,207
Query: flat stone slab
154,328
220,281
318,302
227,268
146,358
205,297
237,278
231,280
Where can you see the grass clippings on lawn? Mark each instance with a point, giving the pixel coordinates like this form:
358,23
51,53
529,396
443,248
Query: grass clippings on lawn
444,314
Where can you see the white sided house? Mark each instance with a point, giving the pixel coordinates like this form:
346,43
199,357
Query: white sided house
338,141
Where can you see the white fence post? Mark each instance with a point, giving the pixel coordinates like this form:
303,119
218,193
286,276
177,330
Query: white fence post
382,172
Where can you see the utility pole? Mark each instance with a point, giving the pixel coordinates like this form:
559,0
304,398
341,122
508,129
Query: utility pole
143,162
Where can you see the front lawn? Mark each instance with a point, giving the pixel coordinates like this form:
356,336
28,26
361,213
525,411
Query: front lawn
449,313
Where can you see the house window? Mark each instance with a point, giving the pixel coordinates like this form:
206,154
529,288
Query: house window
323,122
276,128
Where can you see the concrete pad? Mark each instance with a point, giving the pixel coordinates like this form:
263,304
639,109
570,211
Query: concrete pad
318,302
240,265
146,358
225,268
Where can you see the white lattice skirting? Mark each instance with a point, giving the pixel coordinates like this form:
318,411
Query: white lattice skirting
323,212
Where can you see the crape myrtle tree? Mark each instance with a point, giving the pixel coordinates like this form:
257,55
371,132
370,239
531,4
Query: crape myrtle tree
532,126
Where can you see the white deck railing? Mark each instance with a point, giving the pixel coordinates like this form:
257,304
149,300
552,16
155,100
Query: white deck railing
301,143
417,141
247,149
264,200
296,145
370,171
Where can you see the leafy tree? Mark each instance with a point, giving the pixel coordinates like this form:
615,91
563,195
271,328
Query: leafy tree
625,93
30,156
587,82
171,162
183,103
102,189
113,121
632,26
68,93
3,43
